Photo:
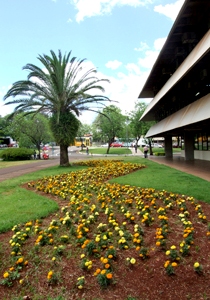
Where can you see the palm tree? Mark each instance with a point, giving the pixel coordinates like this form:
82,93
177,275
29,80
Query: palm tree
62,89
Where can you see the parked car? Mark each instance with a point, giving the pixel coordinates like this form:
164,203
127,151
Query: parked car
155,145
105,145
116,144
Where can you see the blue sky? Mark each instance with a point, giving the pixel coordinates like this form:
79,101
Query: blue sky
120,38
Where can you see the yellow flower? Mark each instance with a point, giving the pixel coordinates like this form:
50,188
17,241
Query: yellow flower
6,275
97,239
105,260
168,252
174,264
166,263
196,265
49,275
132,261
173,247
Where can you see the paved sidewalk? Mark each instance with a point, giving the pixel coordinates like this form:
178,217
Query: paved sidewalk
197,167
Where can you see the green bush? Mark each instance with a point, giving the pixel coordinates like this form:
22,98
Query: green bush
159,153
13,154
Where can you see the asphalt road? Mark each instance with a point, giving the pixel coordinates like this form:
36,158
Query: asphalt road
15,171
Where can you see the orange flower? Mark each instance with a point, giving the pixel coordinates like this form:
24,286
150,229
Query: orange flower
107,266
109,276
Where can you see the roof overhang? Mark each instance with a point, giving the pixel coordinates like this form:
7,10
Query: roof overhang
197,53
193,113
188,29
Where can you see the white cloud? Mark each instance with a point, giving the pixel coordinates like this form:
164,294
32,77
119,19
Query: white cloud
148,61
90,8
5,109
151,55
158,44
170,10
114,64
133,68
143,47
124,89
69,20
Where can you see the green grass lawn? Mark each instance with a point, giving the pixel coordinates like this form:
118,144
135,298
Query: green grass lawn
112,151
19,205
6,164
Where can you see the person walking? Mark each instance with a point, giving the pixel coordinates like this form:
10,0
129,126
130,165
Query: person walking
87,150
145,151
136,146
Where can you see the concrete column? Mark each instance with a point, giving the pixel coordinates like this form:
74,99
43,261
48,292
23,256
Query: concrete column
189,146
168,146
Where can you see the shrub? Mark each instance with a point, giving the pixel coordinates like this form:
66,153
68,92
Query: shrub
12,154
159,153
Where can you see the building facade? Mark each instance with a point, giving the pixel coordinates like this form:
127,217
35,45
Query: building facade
179,84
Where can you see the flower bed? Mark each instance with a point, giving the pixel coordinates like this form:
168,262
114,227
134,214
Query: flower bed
110,237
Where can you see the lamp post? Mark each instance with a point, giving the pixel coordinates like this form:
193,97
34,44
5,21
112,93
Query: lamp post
127,130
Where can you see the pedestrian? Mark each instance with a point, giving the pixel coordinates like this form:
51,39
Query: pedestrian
34,154
136,146
87,151
145,151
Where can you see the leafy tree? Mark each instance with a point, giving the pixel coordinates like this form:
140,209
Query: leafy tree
31,130
65,131
61,86
4,127
110,123
140,128
84,129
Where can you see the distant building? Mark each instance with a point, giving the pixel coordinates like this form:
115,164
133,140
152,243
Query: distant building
179,84
7,141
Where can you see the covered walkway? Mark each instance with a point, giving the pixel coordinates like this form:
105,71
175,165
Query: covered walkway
196,167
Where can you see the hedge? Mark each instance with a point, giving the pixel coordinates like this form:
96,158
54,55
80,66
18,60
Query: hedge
159,153
13,154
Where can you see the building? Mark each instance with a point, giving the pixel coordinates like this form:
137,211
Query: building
179,84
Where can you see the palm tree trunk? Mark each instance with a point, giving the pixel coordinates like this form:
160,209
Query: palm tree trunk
64,159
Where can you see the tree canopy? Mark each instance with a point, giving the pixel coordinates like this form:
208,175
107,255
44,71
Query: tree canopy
110,123
61,88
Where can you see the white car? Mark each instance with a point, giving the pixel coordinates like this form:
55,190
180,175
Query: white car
157,145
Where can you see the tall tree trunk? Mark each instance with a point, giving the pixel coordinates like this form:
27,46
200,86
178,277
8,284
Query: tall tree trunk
64,158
